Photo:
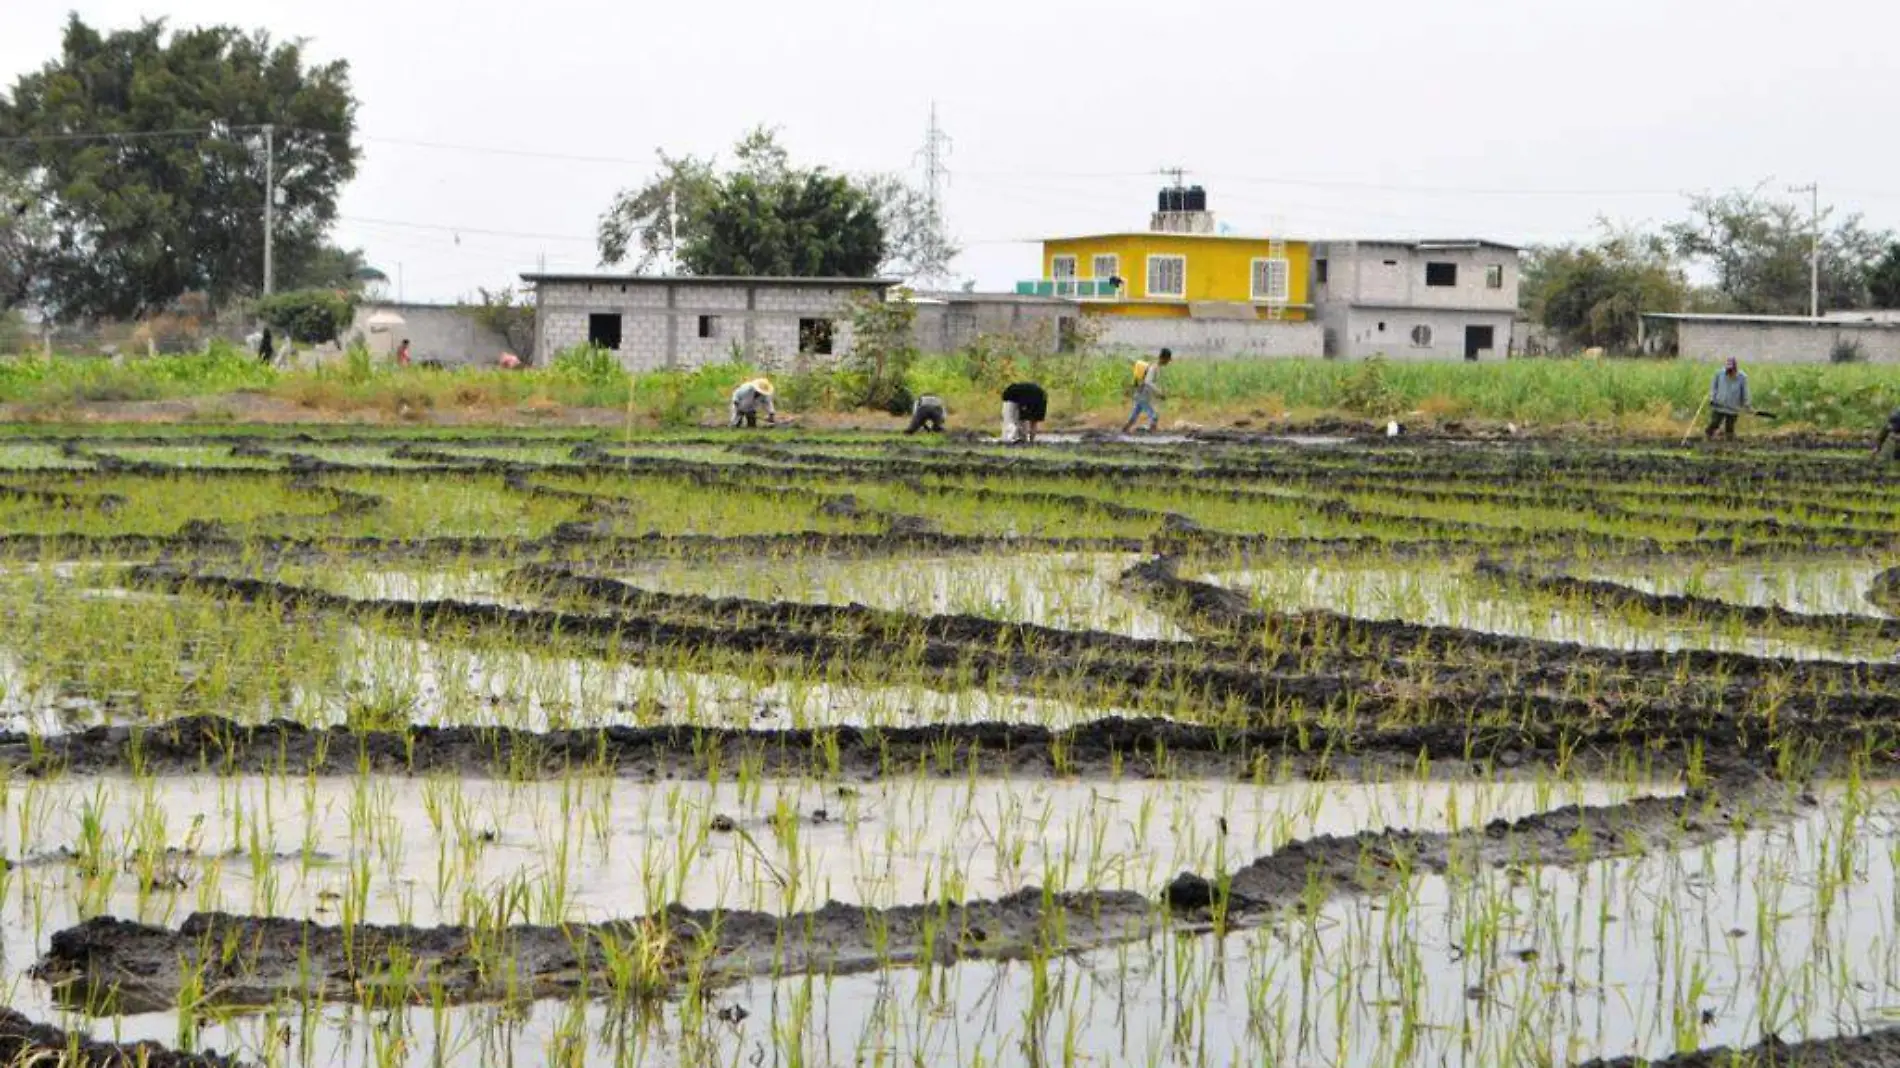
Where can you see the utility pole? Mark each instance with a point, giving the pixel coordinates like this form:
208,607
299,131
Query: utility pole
1179,174
270,201
1814,247
672,231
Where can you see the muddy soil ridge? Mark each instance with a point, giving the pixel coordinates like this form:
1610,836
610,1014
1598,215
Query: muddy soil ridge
1112,747
109,965
25,1044
1688,606
1874,1049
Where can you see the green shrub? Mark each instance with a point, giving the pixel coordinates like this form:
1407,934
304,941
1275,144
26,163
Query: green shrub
589,365
308,316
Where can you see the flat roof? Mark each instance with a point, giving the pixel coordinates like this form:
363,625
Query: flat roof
1257,238
710,280
1423,244
1723,317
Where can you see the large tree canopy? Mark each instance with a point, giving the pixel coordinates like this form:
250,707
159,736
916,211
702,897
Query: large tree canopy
1758,252
765,216
174,202
1594,295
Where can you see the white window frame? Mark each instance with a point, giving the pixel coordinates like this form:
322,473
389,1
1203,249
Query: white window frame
1427,342
1055,268
1158,259
1286,279
1114,261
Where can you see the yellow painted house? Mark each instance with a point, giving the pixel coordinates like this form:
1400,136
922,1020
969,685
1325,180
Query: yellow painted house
1178,275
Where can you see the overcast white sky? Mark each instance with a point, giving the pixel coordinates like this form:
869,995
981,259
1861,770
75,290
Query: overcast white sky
1520,120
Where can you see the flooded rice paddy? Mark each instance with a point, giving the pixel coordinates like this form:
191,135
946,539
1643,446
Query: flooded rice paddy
371,749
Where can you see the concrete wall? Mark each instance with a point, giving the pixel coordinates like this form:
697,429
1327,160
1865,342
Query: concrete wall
1210,337
441,332
1357,333
961,319
1794,342
660,319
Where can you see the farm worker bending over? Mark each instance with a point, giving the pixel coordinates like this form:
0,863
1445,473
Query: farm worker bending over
1891,430
928,413
1024,407
749,399
1148,390
1728,397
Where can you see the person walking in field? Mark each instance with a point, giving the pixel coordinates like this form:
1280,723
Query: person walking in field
749,399
1025,405
928,412
1890,430
1728,398
402,353
266,348
1148,390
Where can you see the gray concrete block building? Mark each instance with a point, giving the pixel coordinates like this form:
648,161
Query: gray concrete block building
1868,336
672,321
1453,299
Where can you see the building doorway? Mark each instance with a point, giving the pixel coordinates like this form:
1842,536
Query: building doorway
1479,339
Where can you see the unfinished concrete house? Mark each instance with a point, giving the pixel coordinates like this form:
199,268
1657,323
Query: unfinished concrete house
677,321
1428,300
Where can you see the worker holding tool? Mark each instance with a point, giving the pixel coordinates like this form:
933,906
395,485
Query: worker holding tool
1891,430
749,398
1728,398
928,412
1147,390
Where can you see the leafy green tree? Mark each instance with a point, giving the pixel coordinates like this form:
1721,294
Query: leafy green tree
1758,251
765,216
329,267
1883,281
1594,295
805,224
26,239
148,214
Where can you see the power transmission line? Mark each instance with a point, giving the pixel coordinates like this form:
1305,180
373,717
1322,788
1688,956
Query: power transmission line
130,135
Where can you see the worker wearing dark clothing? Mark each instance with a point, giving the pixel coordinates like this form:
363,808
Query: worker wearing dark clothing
266,348
928,413
1025,405
1891,430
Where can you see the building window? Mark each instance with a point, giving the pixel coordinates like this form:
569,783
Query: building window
1321,272
709,326
603,330
1441,274
1167,276
1391,263
1106,267
1061,267
1271,280
1421,336
814,337
1381,328
1494,276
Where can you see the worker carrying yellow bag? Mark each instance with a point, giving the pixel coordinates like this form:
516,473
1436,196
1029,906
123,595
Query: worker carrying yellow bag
1147,390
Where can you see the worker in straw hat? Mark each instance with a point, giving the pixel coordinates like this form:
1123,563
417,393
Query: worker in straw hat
749,398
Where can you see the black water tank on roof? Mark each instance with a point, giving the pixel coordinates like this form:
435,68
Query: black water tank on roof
1196,199
1161,201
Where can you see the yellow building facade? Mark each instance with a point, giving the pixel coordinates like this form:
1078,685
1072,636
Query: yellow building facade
1167,274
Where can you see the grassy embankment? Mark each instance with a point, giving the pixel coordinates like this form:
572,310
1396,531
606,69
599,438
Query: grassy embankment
1647,397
